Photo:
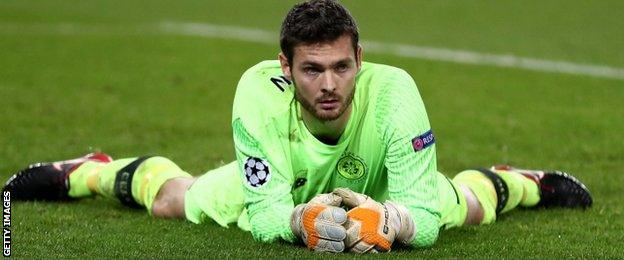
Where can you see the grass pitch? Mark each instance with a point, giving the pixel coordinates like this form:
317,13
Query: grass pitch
80,76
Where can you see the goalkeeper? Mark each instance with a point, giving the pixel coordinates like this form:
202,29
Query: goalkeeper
315,132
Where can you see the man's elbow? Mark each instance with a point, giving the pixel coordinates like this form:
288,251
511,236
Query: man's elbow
270,235
426,238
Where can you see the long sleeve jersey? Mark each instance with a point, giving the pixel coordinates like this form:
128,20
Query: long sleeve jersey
387,150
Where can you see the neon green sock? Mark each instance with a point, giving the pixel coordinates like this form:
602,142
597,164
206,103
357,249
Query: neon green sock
514,188
521,191
78,187
93,178
528,190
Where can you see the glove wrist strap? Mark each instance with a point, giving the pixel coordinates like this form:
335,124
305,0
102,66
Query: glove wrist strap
400,217
295,220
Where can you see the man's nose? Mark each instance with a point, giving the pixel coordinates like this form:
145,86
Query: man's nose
329,82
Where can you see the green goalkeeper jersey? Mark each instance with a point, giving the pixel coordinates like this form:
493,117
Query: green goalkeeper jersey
387,150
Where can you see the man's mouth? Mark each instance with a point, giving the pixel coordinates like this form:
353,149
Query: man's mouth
329,104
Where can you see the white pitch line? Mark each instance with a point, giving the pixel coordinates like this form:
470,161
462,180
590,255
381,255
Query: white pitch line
468,57
220,31
271,38
404,50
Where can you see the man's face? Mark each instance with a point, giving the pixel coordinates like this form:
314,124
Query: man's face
324,76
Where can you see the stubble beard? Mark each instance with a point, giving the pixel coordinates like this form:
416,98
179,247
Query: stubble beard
318,113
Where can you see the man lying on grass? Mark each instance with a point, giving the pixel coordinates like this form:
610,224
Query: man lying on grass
331,151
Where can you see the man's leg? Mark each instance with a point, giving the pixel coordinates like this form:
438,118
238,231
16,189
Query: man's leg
169,202
217,196
154,183
135,182
489,193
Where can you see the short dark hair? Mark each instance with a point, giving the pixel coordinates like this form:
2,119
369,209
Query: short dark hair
316,21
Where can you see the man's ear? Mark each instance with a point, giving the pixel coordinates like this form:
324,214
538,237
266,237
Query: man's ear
285,65
359,56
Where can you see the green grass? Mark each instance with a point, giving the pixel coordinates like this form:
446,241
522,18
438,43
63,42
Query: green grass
130,92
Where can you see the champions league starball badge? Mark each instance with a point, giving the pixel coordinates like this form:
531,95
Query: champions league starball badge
257,171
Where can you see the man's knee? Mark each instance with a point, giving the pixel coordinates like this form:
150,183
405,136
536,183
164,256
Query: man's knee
474,214
169,202
482,191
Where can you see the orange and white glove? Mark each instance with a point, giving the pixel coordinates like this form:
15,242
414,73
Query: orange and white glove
320,223
372,226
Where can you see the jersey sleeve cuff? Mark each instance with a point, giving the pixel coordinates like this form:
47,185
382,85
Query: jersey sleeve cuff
427,228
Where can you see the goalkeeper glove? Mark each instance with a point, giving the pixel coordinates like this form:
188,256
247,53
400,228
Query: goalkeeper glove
319,223
373,226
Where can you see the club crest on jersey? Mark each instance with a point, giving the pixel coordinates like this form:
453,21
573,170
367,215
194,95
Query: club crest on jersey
423,141
257,172
351,167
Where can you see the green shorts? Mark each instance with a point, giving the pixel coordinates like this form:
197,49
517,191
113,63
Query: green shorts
453,208
218,196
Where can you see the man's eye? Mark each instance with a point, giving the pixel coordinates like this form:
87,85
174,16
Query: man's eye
311,71
342,68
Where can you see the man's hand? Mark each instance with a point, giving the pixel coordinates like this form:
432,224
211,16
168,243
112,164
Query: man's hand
319,223
373,226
